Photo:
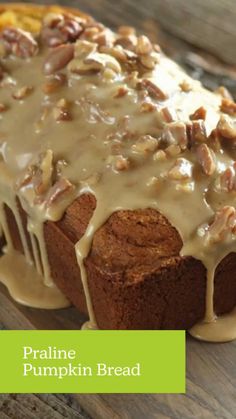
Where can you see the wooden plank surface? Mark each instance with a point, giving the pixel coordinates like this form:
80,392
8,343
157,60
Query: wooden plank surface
211,372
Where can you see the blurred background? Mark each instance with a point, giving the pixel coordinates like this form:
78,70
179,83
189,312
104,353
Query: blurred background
199,34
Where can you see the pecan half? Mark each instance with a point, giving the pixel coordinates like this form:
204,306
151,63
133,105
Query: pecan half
19,42
228,179
62,190
145,144
152,89
175,133
223,223
206,159
58,58
61,112
59,29
196,132
144,46
22,92
226,127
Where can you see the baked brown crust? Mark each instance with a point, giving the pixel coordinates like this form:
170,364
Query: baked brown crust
136,277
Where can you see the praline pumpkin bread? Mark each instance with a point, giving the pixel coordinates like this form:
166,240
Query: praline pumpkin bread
117,177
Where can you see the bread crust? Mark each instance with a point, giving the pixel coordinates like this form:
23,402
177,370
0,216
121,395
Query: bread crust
136,277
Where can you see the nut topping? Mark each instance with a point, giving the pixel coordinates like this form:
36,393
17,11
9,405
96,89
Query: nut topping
145,144
61,112
175,133
228,106
206,159
223,223
200,113
61,190
228,179
182,170
59,29
22,92
143,46
58,58
152,89
226,127
18,42
53,83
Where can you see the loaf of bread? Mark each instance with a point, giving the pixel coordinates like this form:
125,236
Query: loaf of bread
120,175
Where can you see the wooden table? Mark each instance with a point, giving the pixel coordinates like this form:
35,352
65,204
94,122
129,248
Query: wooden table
211,372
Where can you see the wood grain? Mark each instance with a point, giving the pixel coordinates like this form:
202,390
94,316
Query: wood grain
211,375
211,372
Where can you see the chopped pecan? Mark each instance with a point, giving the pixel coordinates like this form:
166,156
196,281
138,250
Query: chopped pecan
116,51
206,159
226,127
182,170
175,133
121,92
146,107
169,115
94,62
228,106
223,224
119,162
200,113
145,144
149,61
196,132
153,90
144,46
53,83
59,29
19,42
173,150
185,85
22,92
60,191
160,155
58,58
38,175
128,42
228,179
61,112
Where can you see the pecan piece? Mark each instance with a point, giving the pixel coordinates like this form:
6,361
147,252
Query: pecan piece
196,132
206,159
58,58
145,144
228,106
144,46
182,170
223,223
175,133
53,83
61,112
152,89
224,93
22,92
19,43
59,29
62,190
200,113
228,179
226,127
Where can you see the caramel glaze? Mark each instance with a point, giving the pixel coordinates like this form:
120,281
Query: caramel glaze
105,130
